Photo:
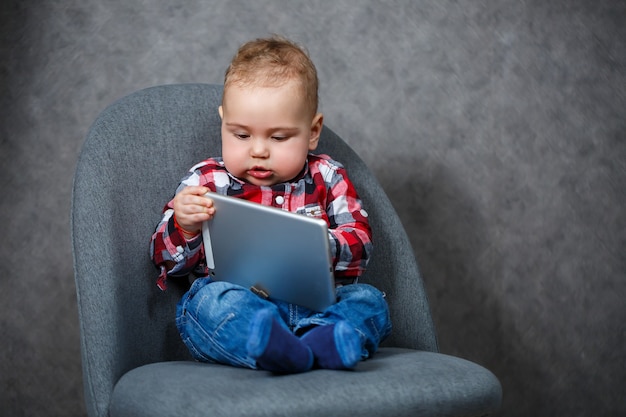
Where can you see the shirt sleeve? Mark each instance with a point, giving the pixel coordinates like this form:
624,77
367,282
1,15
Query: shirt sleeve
350,232
168,245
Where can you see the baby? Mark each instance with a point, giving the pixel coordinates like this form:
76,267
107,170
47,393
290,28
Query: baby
270,127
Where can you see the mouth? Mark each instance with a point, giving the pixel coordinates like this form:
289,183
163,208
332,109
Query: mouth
259,173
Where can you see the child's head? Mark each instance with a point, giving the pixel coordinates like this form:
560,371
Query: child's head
269,112
272,62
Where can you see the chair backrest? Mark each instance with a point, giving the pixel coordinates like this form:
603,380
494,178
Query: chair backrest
133,158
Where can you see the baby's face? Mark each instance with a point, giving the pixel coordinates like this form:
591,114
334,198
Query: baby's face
267,132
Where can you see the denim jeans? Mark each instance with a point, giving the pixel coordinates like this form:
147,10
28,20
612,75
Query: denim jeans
214,318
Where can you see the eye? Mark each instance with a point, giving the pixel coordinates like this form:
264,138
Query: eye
280,138
242,136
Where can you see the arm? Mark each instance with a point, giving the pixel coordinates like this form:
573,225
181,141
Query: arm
351,235
175,246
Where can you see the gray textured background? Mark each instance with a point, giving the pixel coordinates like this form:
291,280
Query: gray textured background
496,127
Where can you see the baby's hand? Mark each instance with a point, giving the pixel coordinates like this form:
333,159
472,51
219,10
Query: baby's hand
191,208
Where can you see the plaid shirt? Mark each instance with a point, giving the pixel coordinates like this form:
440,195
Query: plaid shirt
322,190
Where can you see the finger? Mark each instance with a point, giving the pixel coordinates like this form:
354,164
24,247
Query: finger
202,201
189,199
195,190
198,218
202,209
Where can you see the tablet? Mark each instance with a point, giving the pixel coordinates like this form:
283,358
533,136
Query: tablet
275,253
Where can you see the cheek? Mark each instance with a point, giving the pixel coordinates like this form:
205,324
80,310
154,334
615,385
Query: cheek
230,154
230,146
292,157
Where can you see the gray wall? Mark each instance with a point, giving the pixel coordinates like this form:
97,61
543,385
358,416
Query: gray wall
496,127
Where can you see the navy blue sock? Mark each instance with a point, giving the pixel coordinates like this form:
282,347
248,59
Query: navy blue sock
335,346
275,348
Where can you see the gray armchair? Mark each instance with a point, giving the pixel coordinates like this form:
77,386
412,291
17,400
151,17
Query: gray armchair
134,363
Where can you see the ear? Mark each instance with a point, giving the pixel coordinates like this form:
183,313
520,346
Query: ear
220,110
316,131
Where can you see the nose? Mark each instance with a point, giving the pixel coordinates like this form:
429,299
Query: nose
258,148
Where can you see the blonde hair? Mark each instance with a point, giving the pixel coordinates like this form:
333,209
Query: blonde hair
272,62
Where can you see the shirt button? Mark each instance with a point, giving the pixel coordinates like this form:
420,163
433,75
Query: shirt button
180,249
280,200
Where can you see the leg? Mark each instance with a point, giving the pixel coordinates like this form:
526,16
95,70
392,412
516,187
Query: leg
214,319
361,307
225,323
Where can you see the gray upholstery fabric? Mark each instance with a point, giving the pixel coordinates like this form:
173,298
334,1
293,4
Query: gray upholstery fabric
398,382
134,156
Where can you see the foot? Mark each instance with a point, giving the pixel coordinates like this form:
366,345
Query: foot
335,346
275,348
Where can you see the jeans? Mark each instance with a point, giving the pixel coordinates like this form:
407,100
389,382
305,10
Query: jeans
214,318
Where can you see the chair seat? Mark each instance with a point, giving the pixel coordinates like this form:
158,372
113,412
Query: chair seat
396,382
141,145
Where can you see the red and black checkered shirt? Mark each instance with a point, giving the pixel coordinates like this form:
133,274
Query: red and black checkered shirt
322,190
